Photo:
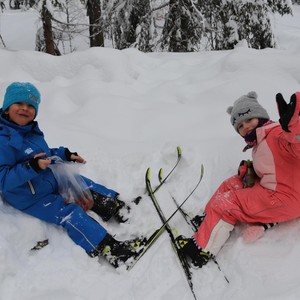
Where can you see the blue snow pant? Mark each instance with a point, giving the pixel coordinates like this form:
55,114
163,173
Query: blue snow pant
81,228
51,208
101,189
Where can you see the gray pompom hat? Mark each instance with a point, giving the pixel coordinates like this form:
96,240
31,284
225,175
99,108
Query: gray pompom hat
246,107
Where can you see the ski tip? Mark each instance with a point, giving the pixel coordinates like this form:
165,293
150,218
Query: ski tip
202,170
160,174
178,150
148,173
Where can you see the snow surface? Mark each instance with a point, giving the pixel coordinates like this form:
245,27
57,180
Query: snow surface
125,111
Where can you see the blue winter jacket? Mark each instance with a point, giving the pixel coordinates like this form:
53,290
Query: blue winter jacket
20,185
37,193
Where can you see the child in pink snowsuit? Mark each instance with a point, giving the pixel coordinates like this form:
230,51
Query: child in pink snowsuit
274,195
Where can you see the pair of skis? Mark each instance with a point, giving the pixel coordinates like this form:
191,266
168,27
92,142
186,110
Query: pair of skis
165,226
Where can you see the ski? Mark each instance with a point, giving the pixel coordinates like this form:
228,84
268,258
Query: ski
172,170
165,225
183,261
190,221
159,231
186,216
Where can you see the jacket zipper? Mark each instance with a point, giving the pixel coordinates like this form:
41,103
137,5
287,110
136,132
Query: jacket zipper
31,187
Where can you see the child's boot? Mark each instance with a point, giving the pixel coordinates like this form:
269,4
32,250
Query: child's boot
107,207
117,253
197,220
189,247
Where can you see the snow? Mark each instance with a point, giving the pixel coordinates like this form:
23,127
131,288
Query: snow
124,111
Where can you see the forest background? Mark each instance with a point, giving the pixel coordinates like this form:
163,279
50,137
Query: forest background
154,25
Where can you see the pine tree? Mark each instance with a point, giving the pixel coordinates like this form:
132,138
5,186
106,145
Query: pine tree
231,21
183,27
131,21
143,34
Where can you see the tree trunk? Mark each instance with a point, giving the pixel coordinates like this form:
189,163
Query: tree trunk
94,14
48,32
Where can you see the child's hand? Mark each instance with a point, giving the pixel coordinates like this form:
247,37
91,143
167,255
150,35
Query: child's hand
39,162
246,173
43,163
286,110
73,156
242,170
77,158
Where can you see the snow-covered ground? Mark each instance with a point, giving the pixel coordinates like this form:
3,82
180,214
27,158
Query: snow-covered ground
125,111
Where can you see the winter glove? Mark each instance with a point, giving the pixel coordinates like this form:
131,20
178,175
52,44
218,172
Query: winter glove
73,156
286,111
39,162
68,154
246,173
34,164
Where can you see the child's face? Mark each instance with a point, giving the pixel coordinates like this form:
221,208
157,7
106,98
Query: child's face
246,126
21,113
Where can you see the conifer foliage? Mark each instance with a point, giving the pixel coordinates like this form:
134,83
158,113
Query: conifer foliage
131,23
183,27
193,25
171,25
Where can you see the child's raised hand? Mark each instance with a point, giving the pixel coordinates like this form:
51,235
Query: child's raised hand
286,110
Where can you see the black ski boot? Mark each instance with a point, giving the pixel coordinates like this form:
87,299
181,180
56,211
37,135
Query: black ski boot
190,249
197,220
108,207
118,253
122,213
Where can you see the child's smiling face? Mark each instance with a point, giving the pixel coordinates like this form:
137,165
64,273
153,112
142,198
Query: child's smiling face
247,126
21,113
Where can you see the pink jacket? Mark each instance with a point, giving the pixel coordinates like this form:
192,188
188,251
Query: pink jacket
276,157
275,198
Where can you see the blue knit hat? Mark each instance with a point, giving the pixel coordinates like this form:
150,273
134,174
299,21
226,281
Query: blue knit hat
22,92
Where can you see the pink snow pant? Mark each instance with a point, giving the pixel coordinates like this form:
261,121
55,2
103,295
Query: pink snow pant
231,203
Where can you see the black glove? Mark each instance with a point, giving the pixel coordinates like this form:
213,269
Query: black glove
286,111
68,154
34,163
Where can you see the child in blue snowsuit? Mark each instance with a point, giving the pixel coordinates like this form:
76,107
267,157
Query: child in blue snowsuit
28,184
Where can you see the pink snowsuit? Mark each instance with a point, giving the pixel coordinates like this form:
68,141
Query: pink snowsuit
275,197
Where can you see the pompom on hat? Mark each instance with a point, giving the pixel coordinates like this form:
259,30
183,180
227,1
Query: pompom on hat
22,92
246,107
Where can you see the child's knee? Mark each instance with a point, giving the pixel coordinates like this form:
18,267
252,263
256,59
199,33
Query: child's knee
223,207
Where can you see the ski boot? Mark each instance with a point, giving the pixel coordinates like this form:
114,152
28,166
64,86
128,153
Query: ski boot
108,207
197,220
190,249
117,253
